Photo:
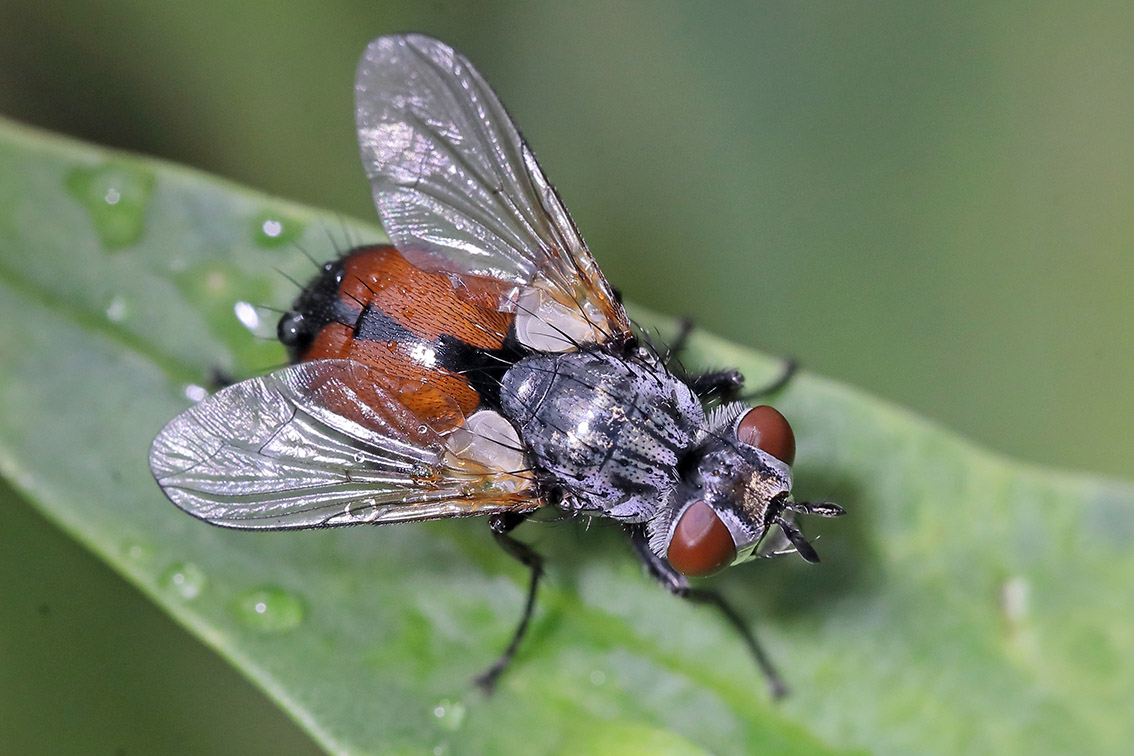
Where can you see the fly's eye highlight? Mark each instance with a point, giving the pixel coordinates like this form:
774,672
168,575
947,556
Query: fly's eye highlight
701,543
765,428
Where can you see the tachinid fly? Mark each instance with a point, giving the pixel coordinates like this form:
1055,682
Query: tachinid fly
482,365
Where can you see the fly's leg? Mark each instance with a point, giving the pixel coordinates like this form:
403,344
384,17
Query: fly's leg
719,384
501,525
777,383
678,585
724,385
680,339
219,378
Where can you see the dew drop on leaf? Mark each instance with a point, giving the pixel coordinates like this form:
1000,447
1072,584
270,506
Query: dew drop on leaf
273,229
115,196
185,579
450,714
268,610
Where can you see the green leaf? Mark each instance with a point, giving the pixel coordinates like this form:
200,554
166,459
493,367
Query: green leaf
965,603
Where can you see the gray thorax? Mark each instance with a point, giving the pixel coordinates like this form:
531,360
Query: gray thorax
610,430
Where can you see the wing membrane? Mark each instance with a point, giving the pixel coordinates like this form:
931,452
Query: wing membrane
300,448
456,186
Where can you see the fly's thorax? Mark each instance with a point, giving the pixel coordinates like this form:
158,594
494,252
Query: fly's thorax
605,428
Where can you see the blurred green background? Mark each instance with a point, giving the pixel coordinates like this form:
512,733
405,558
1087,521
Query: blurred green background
934,202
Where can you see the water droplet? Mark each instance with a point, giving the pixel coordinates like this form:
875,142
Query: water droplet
116,196
185,579
195,393
450,714
1014,598
217,291
272,229
215,281
268,610
138,552
247,316
117,310
598,677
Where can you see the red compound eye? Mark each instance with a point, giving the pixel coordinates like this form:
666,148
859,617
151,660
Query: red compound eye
765,428
701,543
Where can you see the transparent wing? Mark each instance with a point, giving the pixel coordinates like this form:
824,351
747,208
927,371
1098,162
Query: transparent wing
306,447
458,189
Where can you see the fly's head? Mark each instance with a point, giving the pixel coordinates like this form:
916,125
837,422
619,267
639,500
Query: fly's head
735,490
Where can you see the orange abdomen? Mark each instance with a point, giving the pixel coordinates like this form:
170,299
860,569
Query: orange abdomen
413,326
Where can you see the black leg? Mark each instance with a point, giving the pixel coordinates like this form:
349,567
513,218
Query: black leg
724,385
790,366
678,585
501,525
719,384
677,343
219,378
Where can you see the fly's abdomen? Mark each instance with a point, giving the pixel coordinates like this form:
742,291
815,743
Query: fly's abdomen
429,340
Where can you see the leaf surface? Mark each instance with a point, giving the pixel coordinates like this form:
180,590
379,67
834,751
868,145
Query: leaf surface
966,602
